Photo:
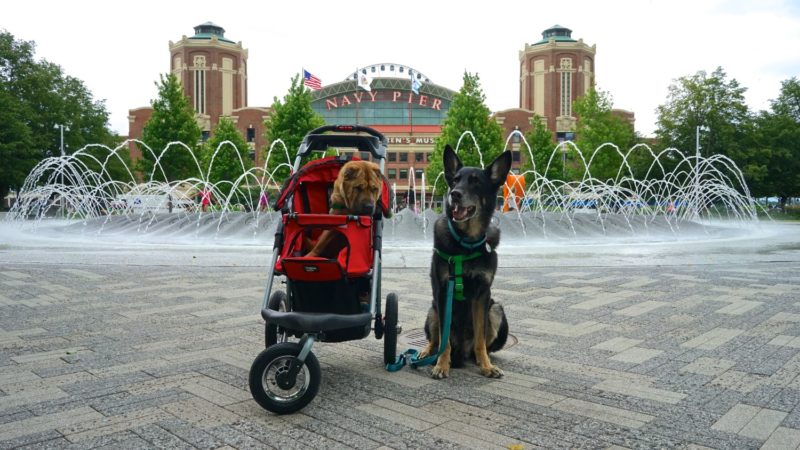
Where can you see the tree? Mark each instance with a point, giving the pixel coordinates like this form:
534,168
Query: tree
540,139
597,125
467,112
34,97
228,161
290,121
772,166
704,100
172,120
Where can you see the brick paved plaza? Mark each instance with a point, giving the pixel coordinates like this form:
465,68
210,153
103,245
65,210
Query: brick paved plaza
104,351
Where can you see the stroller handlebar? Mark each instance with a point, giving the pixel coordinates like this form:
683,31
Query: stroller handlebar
375,143
350,129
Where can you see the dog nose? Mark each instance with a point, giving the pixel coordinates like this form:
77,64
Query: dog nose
455,195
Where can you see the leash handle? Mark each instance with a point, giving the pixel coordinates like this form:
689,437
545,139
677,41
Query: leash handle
411,356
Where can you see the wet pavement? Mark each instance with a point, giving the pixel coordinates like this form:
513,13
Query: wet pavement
679,343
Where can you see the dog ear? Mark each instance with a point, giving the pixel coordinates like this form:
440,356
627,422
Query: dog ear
498,169
350,173
451,164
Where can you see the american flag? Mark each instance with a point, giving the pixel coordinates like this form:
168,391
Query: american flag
311,81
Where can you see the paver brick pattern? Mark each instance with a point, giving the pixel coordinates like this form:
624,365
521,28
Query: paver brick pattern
608,357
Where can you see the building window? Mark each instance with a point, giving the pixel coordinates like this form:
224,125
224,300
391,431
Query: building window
419,157
418,174
383,68
251,134
403,174
205,135
200,84
392,174
392,156
515,156
566,86
364,156
403,157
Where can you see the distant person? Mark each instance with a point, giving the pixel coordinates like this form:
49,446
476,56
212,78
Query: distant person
263,201
205,199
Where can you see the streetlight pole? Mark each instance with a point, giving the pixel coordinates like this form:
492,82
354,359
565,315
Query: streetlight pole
698,129
62,127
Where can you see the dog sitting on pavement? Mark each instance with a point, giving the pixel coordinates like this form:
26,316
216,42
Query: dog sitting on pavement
478,325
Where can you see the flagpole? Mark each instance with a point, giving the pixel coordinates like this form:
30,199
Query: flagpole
358,104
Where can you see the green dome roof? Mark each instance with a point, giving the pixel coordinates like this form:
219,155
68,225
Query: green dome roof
557,32
208,30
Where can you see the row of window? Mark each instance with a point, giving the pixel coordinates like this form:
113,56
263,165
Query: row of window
404,156
393,156
392,174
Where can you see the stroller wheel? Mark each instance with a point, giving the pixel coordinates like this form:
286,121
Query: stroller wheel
277,302
272,385
390,330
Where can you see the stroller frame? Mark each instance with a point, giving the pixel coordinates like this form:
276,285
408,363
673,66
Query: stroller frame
285,377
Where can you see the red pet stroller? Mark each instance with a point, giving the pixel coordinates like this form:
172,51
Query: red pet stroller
324,298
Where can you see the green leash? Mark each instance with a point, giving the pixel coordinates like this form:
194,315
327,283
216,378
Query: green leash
455,289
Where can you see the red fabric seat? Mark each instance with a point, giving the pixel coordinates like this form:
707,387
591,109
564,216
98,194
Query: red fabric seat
355,259
305,200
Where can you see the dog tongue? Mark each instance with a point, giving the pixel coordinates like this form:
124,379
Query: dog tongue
459,212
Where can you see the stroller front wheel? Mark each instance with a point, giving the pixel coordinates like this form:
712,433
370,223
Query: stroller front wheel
272,384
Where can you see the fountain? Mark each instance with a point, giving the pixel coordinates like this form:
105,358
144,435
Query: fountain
694,198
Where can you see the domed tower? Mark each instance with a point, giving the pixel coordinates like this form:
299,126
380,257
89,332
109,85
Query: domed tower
213,72
553,73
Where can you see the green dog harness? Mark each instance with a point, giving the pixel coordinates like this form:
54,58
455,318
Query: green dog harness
457,269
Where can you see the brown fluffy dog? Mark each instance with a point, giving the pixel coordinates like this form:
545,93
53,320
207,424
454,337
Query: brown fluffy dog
355,191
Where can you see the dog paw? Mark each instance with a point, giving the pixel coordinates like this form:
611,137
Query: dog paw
440,372
492,372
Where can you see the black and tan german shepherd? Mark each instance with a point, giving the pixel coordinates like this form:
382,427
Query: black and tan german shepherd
479,325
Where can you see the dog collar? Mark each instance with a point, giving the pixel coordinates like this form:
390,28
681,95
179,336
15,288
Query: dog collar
338,206
464,242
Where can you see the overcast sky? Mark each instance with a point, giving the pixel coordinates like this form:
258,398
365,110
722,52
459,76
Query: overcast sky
119,48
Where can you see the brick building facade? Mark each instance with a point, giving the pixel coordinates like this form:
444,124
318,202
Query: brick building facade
213,72
212,69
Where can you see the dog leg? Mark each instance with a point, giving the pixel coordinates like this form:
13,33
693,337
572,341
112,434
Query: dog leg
432,327
442,367
432,333
479,324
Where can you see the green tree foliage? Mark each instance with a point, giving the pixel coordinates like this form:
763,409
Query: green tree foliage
597,125
289,121
467,112
34,97
540,139
172,120
228,161
704,100
772,165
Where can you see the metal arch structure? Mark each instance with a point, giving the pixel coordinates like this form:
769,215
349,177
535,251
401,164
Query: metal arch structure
388,70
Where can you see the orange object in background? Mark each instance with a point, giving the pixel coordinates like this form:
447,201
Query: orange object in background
513,192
